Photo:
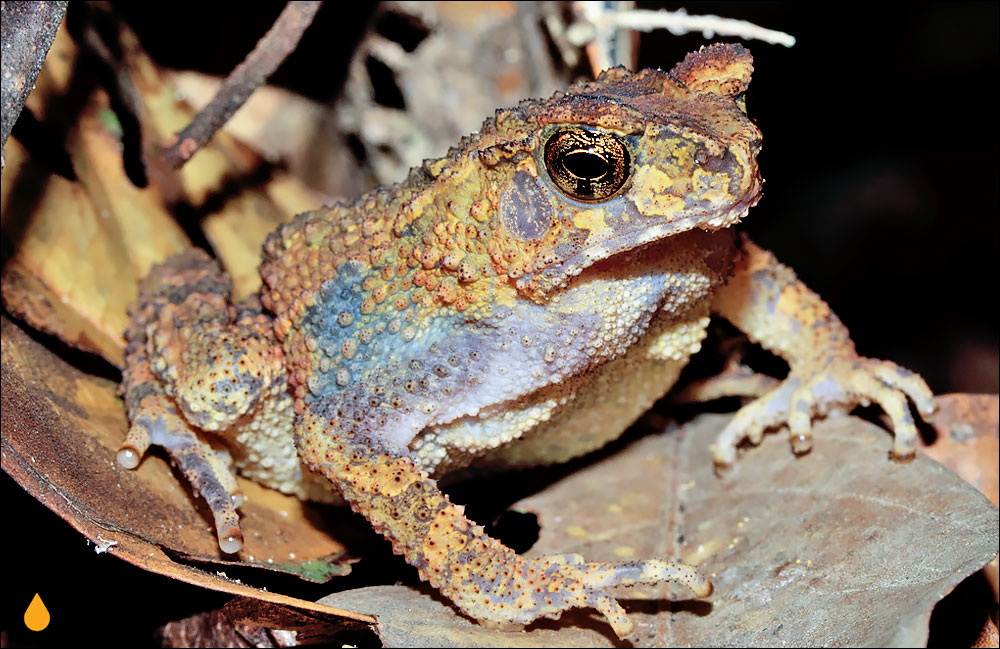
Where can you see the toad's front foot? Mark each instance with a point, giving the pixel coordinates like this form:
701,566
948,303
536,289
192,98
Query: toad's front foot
816,390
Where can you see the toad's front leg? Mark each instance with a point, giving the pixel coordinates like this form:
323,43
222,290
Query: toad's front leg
766,301
483,577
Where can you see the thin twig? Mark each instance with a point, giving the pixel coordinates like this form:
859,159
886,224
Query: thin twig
599,20
265,58
679,22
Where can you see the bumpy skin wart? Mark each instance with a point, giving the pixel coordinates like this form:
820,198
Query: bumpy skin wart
520,301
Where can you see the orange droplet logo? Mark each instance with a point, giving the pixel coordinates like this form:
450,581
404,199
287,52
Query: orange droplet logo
36,617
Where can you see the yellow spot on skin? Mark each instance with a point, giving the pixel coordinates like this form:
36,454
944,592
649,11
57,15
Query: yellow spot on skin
36,616
592,219
528,166
615,509
713,187
653,178
624,551
437,166
577,531
655,200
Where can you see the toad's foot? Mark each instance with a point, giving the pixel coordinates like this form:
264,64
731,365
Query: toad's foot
767,301
547,586
816,390
484,578
207,470
200,370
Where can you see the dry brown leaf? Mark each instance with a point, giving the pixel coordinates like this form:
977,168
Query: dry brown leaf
81,246
968,441
33,300
840,547
72,274
289,195
237,234
238,228
61,430
216,629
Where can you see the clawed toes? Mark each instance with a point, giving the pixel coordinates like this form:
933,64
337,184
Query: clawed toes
838,386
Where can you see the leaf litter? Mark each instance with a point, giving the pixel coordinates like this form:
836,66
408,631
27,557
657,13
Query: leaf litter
841,546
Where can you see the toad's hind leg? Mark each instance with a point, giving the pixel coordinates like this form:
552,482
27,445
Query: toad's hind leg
210,475
483,577
194,363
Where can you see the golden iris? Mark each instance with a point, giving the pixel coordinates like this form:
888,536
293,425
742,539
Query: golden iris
587,165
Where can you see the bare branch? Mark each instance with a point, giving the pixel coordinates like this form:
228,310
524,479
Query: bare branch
598,21
265,58
679,22
28,29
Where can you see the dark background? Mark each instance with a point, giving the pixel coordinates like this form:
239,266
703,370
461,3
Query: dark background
881,165
881,172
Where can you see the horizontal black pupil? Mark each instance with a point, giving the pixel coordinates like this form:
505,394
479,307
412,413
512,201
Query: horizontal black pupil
586,164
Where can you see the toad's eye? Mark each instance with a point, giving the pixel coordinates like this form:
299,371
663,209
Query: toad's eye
587,165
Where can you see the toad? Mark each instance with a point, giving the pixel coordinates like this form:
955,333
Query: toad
519,301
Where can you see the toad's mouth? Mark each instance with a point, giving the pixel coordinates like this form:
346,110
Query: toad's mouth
558,273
